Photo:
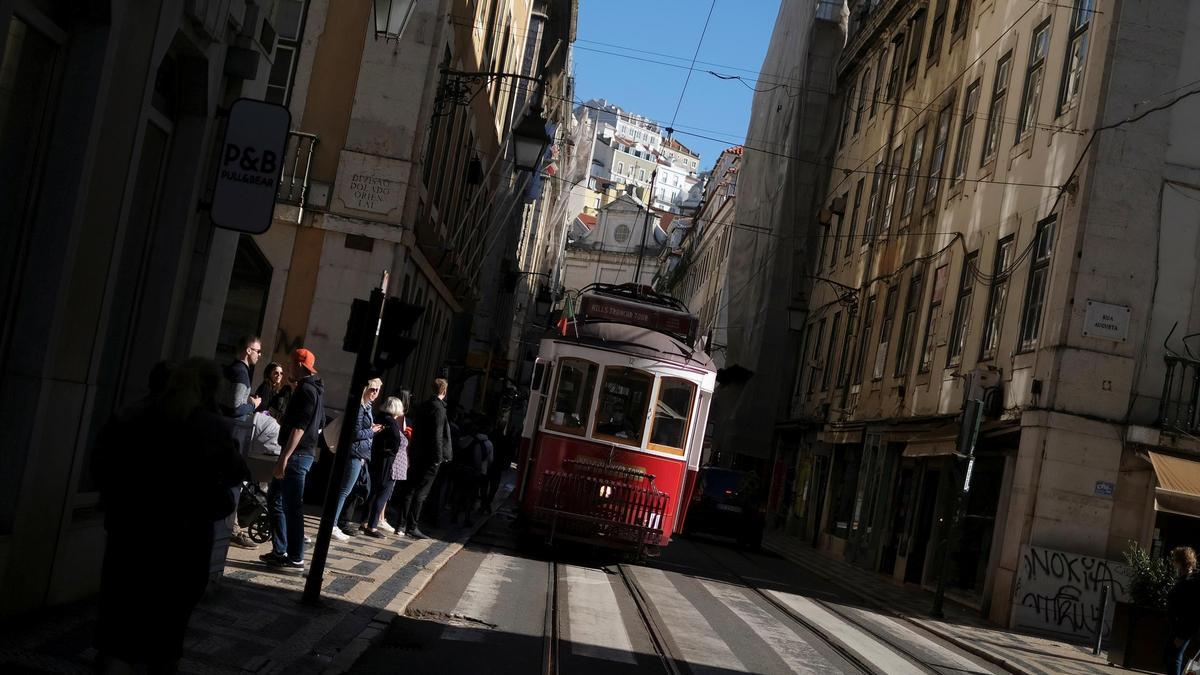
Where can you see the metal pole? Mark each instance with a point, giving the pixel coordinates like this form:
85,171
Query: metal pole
1104,592
972,414
362,367
637,276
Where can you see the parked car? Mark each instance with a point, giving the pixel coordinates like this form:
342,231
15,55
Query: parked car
727,503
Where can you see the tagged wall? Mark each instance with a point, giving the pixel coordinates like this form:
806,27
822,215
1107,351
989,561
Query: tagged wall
1059,592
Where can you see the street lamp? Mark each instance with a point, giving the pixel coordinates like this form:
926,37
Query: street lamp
391,16
530,140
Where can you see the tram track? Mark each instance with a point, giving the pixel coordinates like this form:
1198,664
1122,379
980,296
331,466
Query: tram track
898,646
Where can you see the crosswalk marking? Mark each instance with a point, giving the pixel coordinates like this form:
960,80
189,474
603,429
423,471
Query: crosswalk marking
938,655
594,617
799,656
859,641
698,643
482,595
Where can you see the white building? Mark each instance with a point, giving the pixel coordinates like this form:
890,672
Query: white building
608,252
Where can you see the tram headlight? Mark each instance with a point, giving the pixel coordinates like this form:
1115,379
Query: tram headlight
605,491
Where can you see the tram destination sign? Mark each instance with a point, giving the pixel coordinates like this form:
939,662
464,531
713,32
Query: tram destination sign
663,320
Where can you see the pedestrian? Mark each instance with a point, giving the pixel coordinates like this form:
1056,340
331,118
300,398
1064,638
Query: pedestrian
1183,608
241,404
501,460
300,430
472,458
356,471
390,450
430,447
274,391
180,437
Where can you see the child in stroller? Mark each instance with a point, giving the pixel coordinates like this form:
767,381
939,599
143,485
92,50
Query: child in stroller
253,519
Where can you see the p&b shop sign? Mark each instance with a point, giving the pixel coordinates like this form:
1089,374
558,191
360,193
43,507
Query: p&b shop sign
249,166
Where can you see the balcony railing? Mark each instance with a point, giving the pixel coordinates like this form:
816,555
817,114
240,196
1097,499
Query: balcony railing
1179,407
293,184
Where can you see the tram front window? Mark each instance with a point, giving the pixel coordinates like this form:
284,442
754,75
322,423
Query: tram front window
573,397
621,415
671,415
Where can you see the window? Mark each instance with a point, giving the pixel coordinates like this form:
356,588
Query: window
864,88
962,308
879,71
936,30
908,324
914,46
962,11
837,234
843,136
288,15
885,331
1035,292
938,159
995,118
962,148
893,180
1077,44
997,294
671,415
1035,74
940,275
573,396
850,217
815,350
873,202
847,348
641,174
621,412
803,368
914,168
896,73
620,167
827,367
864,339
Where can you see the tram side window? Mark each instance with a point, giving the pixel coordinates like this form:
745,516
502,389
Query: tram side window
671,415
624,397
573,397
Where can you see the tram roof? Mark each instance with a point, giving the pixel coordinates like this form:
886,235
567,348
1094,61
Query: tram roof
634,340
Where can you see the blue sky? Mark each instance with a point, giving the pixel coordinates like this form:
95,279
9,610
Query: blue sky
612,62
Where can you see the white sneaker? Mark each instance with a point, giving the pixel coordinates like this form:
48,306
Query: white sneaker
383,525
339,535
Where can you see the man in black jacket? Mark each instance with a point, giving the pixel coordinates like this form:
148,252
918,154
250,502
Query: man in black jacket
431,445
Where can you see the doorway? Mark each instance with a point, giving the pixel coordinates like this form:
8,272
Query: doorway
919,545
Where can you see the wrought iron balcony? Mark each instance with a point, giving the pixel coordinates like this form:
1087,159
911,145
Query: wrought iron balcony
1179,407
293,184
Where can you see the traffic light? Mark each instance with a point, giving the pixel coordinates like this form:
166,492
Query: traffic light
394,345
358,327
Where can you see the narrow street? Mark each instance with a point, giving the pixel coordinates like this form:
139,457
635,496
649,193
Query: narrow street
702,607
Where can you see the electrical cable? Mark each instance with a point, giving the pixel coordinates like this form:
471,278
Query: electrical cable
691,67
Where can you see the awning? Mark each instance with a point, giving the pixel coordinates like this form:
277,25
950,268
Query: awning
1178,488
934,446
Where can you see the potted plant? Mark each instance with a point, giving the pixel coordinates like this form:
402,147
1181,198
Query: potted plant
1140,628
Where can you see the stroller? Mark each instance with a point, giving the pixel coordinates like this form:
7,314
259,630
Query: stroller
252,513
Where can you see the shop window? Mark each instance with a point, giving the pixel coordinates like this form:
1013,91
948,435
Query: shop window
672,415
573,396
621,413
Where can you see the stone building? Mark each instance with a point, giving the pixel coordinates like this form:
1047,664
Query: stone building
109,115
1009,217
611,251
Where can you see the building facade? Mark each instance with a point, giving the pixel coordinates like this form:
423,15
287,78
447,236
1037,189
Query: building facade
1003,222
622,240
109,116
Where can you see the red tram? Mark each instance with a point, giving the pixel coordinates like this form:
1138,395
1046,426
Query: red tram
615,425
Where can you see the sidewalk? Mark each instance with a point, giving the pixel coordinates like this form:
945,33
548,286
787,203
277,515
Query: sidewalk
1017,652
252,620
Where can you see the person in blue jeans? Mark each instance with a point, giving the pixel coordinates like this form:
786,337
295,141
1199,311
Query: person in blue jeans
1183,609
299,429
365,429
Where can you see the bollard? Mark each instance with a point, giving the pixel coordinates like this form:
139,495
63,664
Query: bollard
1100,623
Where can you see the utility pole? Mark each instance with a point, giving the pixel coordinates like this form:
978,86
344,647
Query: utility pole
967,435
637,276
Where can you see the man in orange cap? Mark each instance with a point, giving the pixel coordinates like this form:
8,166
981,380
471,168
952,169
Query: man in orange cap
299,431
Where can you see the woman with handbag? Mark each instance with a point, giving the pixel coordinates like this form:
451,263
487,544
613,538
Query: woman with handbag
391,450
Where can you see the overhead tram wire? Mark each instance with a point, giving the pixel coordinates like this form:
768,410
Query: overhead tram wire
691,67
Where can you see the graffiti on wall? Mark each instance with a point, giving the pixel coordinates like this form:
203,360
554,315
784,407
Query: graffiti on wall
1059,592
